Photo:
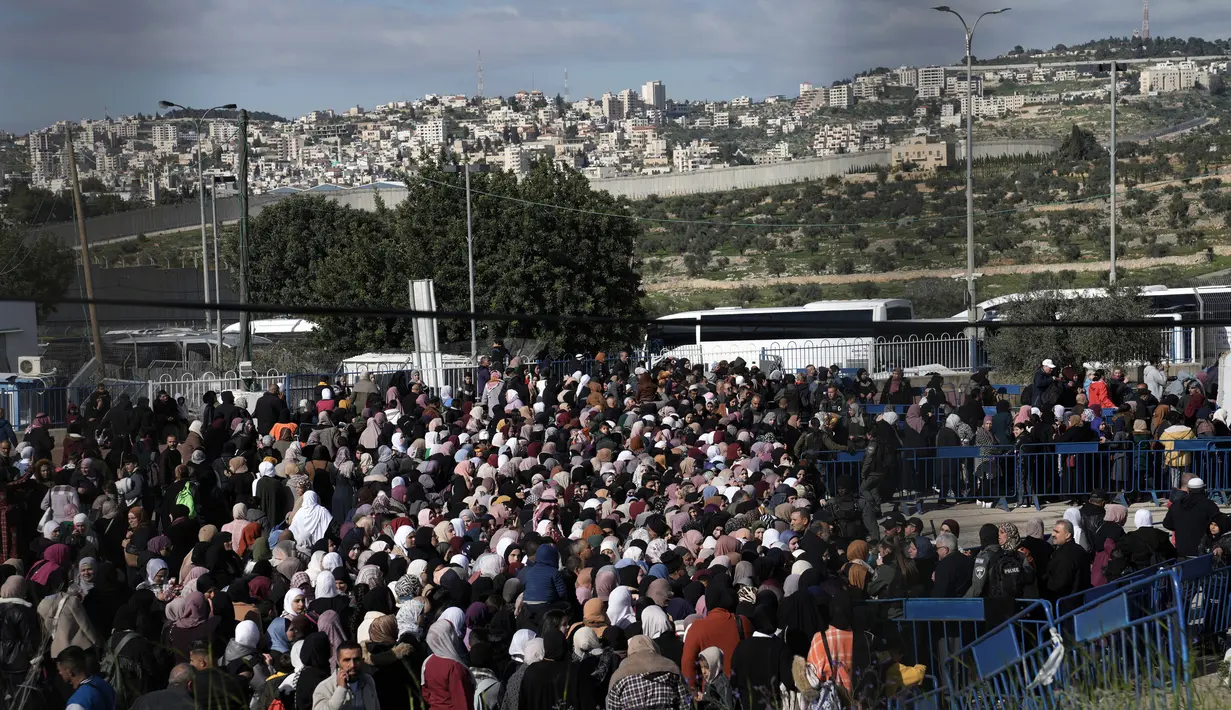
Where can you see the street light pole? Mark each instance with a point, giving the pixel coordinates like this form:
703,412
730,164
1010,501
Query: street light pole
474,343
201,190
213,202
1111,276
970,180
467,168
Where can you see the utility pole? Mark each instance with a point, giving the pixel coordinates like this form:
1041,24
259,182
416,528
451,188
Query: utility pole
245,335
85,250
213,206
474,343
971,306
1111,150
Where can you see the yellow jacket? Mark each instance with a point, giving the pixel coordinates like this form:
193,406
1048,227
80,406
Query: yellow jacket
1172,434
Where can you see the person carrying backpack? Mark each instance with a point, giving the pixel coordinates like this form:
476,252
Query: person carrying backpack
1002,571
848,522
127,660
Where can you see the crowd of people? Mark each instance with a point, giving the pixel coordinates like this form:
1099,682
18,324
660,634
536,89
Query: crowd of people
620,537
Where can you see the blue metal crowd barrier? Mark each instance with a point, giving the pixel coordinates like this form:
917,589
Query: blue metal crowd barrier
1127,645
930,631
1205,595
1114,586
998,669
1036,472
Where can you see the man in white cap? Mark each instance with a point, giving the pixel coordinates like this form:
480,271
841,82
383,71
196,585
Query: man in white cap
1189,516
1044,378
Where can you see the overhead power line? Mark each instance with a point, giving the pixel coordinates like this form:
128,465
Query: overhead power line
729,319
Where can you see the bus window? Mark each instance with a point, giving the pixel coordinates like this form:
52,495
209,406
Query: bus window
899,313
775,326
197,352
673,333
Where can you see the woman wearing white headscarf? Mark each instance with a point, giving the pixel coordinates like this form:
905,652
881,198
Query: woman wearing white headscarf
620,608
446,677
530,651
311,522
293,604
1073,515
489,565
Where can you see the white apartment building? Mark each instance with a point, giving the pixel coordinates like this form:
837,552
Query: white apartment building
906,76
955,86
741,102
841,96
613,108
1167,77
654,95
804,88
722,119
811,101
223,131
693,157
165,137
931,81
432,132
629,102
748,121
866,90
994,106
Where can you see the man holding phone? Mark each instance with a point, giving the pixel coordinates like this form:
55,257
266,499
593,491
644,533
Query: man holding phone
350,688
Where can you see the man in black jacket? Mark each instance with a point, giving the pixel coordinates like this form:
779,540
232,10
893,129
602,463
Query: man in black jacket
1068,570
954,570
1092,514
269,410
1189,517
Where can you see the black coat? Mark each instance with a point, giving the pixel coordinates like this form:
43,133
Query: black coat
268,411
1189,517
758,665
953,575
1137,550
1068,572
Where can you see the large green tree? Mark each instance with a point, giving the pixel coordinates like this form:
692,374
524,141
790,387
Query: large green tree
33,267
541,245
1018,351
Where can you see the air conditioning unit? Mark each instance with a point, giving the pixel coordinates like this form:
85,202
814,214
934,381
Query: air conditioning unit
30,366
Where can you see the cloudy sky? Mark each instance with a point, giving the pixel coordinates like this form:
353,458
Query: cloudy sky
70,59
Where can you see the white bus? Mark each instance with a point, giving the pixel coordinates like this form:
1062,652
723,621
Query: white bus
1181,342
822,333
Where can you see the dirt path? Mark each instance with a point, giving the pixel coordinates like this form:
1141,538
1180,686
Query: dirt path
952,272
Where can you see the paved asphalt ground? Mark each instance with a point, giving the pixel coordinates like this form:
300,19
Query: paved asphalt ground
971,517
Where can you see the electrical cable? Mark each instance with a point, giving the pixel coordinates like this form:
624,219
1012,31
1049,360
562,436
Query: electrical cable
732,319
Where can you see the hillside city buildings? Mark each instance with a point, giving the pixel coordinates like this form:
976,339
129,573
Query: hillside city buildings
627,132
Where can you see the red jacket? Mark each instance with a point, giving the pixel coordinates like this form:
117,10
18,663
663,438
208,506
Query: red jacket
447,685
716,629
1099,397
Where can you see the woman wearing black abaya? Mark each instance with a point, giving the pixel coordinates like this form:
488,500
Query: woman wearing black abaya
545,683
106,597
798,616
315,655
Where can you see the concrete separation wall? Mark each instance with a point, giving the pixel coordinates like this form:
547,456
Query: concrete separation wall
1008,148
741,178
186,215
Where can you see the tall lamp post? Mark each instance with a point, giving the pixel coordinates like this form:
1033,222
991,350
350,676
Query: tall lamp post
1111,151
970,180
201,192
468,168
